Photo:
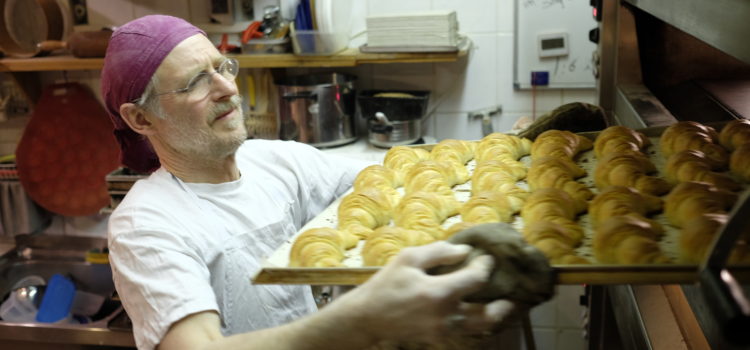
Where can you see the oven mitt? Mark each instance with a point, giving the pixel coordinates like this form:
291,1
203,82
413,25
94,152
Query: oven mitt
66,151
521,273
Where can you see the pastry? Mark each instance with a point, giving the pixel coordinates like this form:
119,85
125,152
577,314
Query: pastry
402,158
385,243
487,207
693,165
620,200
321,247
618,139
361,211
628,240
629,169
687,135
560,173
559,143
735,134
692,199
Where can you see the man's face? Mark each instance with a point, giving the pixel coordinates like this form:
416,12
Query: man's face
208,124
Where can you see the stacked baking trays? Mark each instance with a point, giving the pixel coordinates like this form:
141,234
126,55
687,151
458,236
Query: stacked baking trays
670,255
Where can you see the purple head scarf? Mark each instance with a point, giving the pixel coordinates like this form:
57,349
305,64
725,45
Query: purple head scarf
134,53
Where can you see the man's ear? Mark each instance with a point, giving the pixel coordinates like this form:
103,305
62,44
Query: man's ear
136,117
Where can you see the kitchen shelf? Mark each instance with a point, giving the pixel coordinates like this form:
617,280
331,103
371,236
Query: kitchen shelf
347,58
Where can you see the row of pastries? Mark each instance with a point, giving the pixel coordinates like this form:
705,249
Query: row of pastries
407,200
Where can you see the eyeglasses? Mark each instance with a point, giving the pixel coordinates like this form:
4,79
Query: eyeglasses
200,84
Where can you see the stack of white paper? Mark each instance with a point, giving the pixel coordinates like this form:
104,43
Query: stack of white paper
435,28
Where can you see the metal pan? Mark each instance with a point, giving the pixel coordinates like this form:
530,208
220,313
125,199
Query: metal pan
24,24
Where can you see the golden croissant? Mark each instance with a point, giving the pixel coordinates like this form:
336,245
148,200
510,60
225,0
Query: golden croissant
693,165
361,211
402,158
501,146
620,200
560,173
485,207
375,176
628,240
735,134
457,151
629,169
618,139
321,247
425,211
692,199
492,175
686,135
549,225
559,143
385,243
556,241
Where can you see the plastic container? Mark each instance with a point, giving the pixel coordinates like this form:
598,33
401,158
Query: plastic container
266,46
314,42
16,310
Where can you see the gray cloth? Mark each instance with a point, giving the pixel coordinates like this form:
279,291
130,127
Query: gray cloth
521,273
18,213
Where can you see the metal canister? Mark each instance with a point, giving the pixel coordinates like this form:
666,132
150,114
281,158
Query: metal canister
317,109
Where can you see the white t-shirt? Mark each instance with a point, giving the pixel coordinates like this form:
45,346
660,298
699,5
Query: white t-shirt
180,248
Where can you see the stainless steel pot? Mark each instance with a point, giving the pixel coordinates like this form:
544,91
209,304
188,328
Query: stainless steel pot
394,118
317,109
386,133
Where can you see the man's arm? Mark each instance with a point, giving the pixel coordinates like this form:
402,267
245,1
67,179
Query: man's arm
400,302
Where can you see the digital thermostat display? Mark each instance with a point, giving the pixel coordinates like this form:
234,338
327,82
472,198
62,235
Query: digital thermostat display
553,45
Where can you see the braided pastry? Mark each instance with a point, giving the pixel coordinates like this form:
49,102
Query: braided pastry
361,211
618,139
499,145
739,162
425,211
620,200
385,243
628,240
559,143
692,199
402,158
457,151
692,135
560,173
735,134
629,169
321,247
693,165
485,207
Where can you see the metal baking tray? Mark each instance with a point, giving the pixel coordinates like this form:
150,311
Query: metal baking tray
275,269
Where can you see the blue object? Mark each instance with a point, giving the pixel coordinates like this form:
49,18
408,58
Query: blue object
57,300
539,78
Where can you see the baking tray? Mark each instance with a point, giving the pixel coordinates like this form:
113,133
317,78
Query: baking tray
275,268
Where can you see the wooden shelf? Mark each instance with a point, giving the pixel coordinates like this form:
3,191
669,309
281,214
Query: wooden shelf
348,58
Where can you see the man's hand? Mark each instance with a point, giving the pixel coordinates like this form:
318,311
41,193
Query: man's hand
403,302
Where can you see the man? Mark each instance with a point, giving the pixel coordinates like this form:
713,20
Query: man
185,242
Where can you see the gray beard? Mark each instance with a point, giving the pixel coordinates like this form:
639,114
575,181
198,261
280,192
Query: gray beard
203,144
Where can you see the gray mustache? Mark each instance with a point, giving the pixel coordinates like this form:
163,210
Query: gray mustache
220,108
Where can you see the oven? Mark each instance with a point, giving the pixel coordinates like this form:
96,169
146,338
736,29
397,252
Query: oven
658,62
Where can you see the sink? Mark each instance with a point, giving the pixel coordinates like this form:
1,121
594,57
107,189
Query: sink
46,255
